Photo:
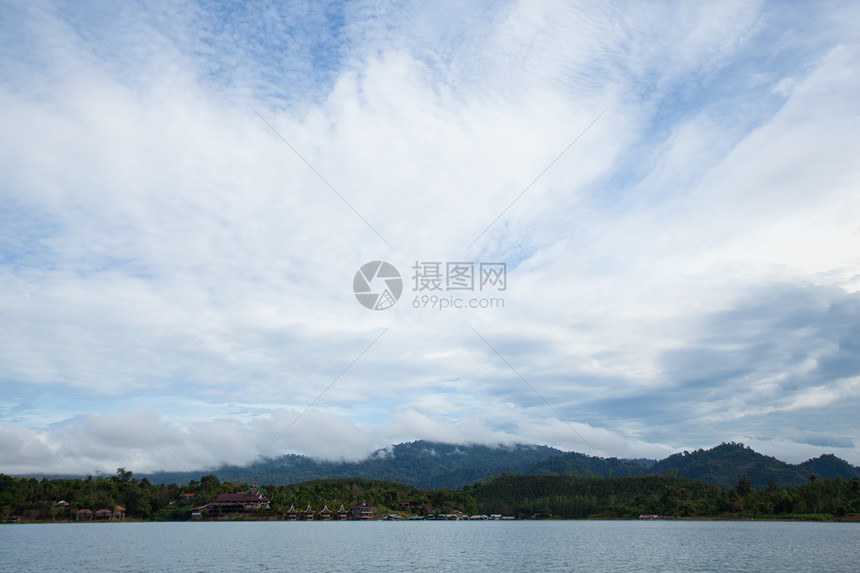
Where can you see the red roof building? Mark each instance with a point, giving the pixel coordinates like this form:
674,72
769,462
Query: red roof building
247,501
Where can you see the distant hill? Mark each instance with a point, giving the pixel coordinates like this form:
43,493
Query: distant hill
424,464
721,465
434,465
829,466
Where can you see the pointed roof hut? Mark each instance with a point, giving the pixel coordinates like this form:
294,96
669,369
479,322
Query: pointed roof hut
308,514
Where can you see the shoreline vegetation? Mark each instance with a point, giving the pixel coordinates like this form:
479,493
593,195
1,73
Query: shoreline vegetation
123,497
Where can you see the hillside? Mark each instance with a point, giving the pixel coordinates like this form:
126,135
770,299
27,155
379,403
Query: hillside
829,466
721,465
434,465
572,463
423,464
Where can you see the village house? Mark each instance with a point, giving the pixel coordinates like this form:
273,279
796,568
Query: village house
226,504
60,508
84,515
325,514
103,514
361,511
308,514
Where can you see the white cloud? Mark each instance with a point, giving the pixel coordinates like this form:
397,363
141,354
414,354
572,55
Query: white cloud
140,438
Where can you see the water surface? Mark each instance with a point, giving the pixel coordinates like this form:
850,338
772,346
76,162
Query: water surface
747,547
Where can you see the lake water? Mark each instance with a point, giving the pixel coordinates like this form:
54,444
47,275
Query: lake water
747,547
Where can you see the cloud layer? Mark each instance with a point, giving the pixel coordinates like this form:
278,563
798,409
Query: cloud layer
189,189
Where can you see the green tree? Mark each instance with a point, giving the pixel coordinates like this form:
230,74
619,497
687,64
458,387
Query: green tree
743,487
123,475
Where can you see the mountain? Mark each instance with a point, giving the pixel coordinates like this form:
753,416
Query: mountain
829,466
721,466
433,465
424,464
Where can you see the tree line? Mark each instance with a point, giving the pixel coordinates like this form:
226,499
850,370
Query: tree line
521,496
41,500
574,497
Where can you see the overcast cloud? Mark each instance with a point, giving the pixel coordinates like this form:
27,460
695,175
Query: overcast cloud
188,190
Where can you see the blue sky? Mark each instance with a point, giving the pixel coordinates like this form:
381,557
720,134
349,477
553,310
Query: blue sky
189,189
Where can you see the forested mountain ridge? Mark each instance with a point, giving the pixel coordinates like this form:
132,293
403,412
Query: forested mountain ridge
435,465
722,464
829,466
421,463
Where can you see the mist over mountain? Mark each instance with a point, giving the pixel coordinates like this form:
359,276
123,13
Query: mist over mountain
435,465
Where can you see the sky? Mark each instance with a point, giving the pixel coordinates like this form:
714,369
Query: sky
649,214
